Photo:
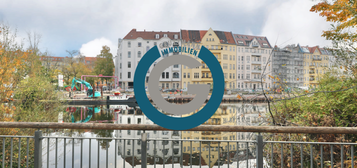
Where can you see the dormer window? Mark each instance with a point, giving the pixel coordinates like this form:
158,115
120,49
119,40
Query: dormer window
210,34
157,36
265,44
165,35
240,43
175,36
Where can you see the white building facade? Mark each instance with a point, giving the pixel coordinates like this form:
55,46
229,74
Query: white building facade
253,62
134,46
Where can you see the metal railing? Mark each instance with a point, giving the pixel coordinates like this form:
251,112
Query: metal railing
185,152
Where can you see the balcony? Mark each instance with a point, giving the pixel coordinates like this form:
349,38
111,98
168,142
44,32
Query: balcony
317,59
256,80
205,68
311,79
258,70
312,72
206,78
257,62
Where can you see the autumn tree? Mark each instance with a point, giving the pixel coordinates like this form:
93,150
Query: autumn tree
343,16
104,64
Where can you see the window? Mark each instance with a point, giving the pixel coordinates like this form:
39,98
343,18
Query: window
234,57
155,43
184,75
248,59
230,57
196,75
163,75
230,75
167,75
120,76
176,36
238,76
139,120
234,67
139,54
248,67
175,75
129,75
188,75
225,66
129,64
139,44
230,66
176,66
165,35
248,76
129,54
167,85
129,44
157,36
120,66
225,57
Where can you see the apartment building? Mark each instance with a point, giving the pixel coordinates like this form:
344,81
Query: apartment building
132,48
253,61
288,66
222,45
316,61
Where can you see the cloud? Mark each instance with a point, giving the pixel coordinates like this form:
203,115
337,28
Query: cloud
93,48
292,22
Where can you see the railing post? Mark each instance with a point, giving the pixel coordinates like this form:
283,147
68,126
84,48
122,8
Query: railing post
259,151
143,149
38,149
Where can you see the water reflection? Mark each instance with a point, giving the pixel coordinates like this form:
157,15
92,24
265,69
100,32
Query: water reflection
167,150
164,147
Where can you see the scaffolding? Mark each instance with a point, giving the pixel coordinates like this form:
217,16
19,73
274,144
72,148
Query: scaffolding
288,66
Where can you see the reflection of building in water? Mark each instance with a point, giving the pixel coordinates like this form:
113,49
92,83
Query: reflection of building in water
249,115
209,150
158,151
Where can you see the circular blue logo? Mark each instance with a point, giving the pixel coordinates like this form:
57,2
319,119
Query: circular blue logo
178,123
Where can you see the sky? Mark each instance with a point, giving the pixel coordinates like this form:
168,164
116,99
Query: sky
88,25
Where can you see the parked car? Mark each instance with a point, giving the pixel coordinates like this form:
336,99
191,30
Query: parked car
171,90
184,90
129,90
235,91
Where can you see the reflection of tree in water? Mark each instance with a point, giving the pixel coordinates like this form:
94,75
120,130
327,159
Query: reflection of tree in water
104,115
106,134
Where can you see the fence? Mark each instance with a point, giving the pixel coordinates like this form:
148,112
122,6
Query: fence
176,152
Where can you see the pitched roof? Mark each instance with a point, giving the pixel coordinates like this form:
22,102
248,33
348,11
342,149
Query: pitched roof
312,49
239,38
150,35
197,35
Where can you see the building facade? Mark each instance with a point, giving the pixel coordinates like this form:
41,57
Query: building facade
222,45
288,66
253,62
132,48
316,61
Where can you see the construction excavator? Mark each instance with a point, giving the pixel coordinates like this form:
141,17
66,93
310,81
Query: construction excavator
90,92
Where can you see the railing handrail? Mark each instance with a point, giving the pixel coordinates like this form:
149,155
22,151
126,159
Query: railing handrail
221,128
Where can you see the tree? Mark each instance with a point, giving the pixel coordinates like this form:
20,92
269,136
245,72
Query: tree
104,64
343,15
341,12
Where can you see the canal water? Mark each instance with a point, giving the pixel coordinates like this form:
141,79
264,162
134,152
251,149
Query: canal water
164,148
